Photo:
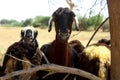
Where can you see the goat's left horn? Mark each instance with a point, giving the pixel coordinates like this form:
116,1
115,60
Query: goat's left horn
50,24
76,23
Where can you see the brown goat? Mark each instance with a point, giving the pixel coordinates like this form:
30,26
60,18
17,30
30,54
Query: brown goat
59,51
25,52
77,45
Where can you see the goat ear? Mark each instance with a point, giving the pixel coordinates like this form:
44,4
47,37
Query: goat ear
76,23
50,24
35,33
22,33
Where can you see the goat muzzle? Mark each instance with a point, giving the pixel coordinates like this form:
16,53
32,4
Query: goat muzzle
63,36
28,39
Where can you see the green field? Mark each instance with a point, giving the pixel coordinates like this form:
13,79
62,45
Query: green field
9,35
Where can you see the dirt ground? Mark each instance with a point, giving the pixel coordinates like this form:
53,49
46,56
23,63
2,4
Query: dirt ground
9,35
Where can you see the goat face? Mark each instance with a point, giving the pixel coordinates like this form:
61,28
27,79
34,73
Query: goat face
63,18
28,34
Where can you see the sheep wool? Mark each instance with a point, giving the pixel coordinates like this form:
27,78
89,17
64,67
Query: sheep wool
104,55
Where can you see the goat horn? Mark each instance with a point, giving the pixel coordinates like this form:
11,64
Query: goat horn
76,23
50,24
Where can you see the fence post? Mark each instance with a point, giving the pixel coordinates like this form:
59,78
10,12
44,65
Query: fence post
114,16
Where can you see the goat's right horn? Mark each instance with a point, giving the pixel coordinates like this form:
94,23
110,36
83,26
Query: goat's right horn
76,23
50,24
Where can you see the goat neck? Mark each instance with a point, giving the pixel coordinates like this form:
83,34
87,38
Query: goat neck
60,52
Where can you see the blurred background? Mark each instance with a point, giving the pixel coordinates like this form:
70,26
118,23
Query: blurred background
20,13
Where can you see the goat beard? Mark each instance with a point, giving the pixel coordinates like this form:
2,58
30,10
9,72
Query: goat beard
28,40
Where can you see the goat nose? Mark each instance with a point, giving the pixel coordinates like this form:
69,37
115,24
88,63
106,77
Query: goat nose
28,35
65,31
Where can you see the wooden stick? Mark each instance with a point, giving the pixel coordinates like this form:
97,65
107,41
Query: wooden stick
96,31
19,59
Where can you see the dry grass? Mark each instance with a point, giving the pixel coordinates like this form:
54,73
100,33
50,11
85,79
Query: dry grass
9,35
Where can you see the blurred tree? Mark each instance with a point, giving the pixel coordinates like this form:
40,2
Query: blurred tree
41,21
95,21
4,21
27,22
83,23
14,23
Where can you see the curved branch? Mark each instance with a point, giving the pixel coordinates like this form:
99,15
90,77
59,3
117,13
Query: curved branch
71,4
52,67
